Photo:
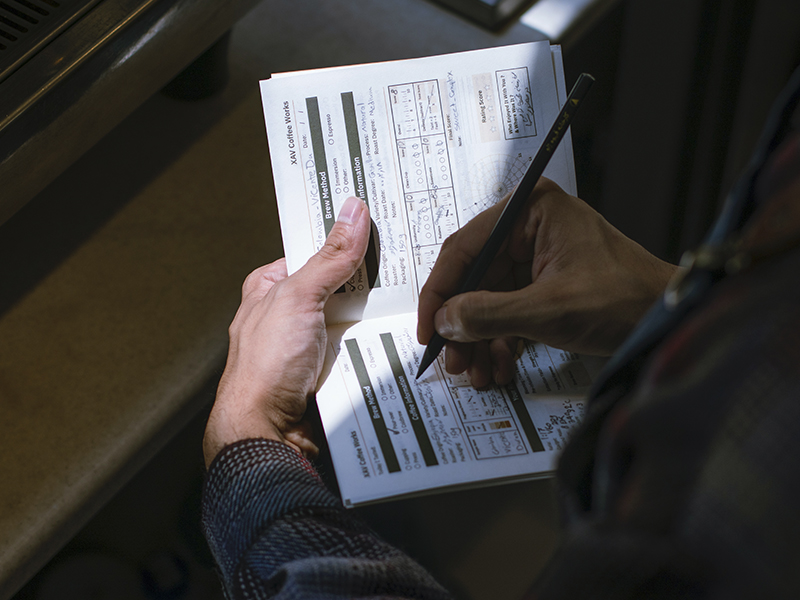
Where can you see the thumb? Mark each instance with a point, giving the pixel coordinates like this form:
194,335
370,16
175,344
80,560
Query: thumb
343,250
484,315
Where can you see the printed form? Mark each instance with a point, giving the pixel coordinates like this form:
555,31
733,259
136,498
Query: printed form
427,143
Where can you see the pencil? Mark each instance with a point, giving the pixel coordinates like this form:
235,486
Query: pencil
518,198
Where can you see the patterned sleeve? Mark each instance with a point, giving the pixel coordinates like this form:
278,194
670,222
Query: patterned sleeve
277,532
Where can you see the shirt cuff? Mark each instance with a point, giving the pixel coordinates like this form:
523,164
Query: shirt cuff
251,484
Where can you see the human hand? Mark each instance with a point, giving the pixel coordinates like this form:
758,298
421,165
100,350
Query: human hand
564,277
278,339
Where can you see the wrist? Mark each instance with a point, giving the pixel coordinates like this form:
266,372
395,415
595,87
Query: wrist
228,424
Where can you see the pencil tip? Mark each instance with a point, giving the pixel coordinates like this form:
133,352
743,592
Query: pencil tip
424,364
419,372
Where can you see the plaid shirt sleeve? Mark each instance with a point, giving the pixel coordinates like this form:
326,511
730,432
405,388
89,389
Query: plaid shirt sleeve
277,532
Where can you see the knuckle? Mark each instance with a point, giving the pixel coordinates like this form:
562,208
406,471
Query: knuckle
335,245
255,280
251,281
449,242
548,184
452,247
340,249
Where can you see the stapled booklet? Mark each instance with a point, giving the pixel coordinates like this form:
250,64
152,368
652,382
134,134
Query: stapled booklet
427,143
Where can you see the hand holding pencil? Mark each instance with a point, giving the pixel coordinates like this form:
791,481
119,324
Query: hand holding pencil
505,221
562,275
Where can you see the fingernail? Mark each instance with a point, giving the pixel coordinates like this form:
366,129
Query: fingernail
443,327
496,375
350,211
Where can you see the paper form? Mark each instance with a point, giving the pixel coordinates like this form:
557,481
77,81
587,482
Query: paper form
395,436
428,144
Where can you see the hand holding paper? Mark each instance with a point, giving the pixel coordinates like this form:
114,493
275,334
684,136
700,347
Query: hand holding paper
278,341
